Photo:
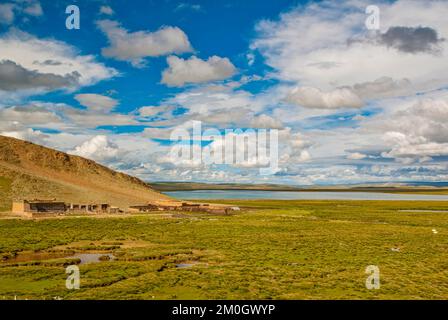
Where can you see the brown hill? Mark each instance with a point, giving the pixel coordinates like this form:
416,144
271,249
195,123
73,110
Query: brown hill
29,171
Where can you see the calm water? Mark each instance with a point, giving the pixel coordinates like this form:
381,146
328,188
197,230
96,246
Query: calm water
91,257
292,195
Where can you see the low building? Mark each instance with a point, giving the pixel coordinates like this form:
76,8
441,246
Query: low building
114,210
185,207
143,208
41,208
92,208
38,207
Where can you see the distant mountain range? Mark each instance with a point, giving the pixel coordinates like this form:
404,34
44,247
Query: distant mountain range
389,187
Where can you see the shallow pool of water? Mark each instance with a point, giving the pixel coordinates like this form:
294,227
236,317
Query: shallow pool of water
92,257
184,265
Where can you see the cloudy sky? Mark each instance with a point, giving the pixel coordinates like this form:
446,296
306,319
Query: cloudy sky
351,105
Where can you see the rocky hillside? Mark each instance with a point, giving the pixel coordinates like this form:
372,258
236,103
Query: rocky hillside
29,171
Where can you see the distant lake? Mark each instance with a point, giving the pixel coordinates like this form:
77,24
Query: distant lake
298,195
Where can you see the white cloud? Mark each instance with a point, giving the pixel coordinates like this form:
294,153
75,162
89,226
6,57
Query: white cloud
314,98
135,46
220,104
107,10
250,58
158,133
27,134
264,121
83,119
409,148
153,111
14,77
320,49
6,13
325,45
384,87
193,7
410,130
356,156
99,112
98,148
195,70
61,117
96,102
165,132
421,131
33,8
32,115
9,11
52,58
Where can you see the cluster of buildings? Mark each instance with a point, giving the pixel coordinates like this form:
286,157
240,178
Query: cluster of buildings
186,207
40,207
50,207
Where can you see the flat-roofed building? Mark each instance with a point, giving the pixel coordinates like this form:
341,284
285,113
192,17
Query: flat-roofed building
38,207
90,208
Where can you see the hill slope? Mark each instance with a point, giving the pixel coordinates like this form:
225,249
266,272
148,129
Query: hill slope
29,171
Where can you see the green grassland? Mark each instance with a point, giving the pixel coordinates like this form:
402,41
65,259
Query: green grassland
268,250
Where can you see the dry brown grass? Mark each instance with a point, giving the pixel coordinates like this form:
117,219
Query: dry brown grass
39,172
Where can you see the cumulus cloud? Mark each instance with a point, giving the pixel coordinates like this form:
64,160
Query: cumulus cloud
33,8
223,106
98,148
411,40
61,117
309,97
414,132
99,112
294,147
409,148
311,38
27,134
264,121
26,58
153,111
158,133
107,10
245,152
310,48
15,77
96,102
32,115
219,104
48,63
196,70
87,119
383,88
8,11
356,156
135,46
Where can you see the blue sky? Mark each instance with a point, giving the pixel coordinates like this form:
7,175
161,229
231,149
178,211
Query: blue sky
351,104
207,27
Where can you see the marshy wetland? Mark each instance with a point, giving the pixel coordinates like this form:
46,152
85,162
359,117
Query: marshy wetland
268,250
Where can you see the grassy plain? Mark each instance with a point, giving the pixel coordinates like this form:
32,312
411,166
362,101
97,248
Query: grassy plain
268,250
